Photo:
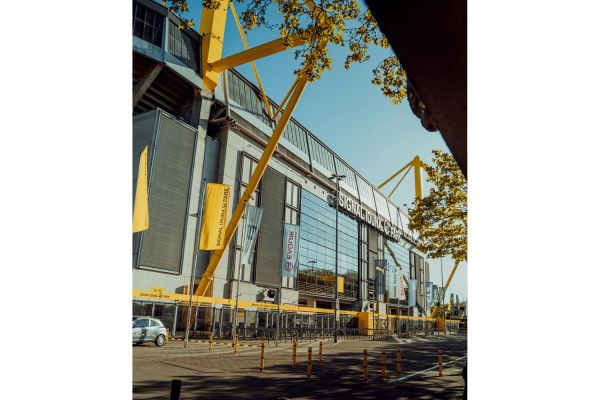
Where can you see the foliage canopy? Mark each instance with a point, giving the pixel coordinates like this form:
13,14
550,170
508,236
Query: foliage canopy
441,216
350,27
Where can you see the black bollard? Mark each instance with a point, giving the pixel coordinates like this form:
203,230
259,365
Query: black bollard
175,389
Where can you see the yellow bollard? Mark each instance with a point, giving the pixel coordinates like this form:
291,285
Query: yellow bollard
262,355
167,337
365,366
439,362
398,361
309,364
235,344
383,365
210,344
294,345
320,352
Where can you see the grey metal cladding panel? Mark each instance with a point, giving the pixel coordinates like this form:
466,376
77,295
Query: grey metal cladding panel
270,233
143,135
168,196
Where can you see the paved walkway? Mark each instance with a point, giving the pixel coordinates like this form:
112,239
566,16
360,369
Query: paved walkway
221,374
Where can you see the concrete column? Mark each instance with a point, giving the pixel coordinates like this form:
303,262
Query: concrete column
203,105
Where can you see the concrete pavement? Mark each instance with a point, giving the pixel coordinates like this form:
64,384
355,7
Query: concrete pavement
222,375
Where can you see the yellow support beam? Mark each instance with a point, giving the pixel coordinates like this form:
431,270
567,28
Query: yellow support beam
260,86
285,98
408,165
416,164
263,50
207,277
212,30
451,275
399,182
229,62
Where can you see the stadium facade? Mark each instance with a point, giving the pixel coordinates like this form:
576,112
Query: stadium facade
193,136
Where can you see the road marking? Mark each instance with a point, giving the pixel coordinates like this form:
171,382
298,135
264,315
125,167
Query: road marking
425,370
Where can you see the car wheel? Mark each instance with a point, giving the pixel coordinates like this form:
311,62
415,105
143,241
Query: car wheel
160,340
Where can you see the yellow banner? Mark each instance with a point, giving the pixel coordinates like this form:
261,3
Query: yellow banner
140,208
340,284
216,208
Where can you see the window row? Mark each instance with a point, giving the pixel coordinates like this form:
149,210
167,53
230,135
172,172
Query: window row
246,96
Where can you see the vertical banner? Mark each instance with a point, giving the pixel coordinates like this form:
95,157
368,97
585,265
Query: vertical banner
250,232
441,293
412,292
140,208
429,292
394,282
340,284
291,244
436,294
216,208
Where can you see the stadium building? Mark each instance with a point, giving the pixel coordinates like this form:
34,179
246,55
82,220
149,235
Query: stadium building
194,136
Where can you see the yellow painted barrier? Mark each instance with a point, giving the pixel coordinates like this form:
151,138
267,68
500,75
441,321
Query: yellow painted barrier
262,355
320,352
294,346
439,362
160,294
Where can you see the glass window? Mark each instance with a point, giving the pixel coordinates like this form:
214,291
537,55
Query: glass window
247,166
155,323
248,96
182,46
147,24
317,249
141,323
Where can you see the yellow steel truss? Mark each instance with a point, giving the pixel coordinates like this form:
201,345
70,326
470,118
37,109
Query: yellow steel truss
416,164
212,29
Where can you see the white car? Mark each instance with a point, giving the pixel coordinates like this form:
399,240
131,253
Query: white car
147,329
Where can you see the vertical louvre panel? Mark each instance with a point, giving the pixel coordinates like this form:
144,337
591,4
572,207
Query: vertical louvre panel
162,243
270,233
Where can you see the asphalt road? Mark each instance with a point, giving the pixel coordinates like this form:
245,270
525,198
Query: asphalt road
221,374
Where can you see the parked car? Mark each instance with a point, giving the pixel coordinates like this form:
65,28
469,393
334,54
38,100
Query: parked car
146,329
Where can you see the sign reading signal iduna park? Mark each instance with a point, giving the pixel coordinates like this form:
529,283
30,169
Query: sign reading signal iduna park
357,211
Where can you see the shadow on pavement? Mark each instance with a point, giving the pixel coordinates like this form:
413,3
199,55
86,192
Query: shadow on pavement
338,377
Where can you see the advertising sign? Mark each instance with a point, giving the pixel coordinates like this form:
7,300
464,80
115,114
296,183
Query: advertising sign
429,292
394,277
412,292
214,221
291,244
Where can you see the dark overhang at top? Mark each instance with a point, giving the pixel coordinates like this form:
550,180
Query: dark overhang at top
430,40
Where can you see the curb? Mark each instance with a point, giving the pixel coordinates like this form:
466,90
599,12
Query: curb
214,342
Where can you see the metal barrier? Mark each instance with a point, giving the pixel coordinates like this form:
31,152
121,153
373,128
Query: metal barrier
302,327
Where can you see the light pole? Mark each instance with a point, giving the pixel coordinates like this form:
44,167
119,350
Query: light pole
199,217
443,295
337,300
380,265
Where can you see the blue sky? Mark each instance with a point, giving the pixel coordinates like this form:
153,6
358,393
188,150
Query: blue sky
351,116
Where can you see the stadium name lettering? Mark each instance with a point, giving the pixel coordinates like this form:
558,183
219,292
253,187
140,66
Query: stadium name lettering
359,212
